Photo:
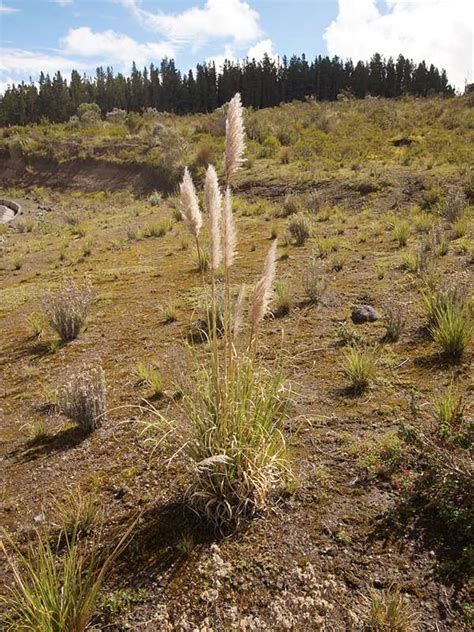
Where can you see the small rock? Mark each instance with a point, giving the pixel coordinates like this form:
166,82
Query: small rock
364,314
38,519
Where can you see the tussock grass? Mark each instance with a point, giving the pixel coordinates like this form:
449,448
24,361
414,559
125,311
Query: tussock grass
67,308
300,229
314,285
359,367
394,322
149,376
83,397
56,585
450,319
388,611
401,232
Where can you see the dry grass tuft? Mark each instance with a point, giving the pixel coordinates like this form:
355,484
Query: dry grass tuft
83,397
67,308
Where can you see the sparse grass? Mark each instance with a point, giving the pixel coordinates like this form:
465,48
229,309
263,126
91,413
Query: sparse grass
78,512
453,205
201,260
37,431
67,308
149,376
380,454
326,245
348,336
83,397
359,367
36,323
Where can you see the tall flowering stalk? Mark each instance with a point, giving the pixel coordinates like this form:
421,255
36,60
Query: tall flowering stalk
234,137
190,210
236,443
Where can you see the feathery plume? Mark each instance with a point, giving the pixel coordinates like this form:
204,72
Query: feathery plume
213,202
263,288
190,205
229,232
234,137
239,312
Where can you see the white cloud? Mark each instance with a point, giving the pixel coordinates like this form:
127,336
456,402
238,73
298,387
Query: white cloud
4,9
217,19
438,31
227,55
113,47
19,62
254,52
260,48
63,3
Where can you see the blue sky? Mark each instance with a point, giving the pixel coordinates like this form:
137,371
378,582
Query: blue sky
64,34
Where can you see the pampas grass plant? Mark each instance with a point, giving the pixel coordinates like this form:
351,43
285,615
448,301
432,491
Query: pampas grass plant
234,407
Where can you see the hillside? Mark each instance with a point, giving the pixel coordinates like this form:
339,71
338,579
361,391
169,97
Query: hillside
372,202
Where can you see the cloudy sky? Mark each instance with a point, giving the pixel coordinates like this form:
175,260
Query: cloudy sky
52,35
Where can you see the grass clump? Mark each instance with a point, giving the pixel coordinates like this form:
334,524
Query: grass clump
313,284
401,232
283,299
359,367
159,229
394,322
387,611
299,229
67,308
150,377
169,311
83,397
449,411
56,586
450,319
36,323
290,205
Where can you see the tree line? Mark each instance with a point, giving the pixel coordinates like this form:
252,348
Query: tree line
263,83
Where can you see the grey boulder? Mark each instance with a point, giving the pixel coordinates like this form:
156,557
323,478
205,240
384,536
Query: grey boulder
364,314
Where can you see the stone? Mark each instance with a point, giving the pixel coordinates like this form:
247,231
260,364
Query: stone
364,314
